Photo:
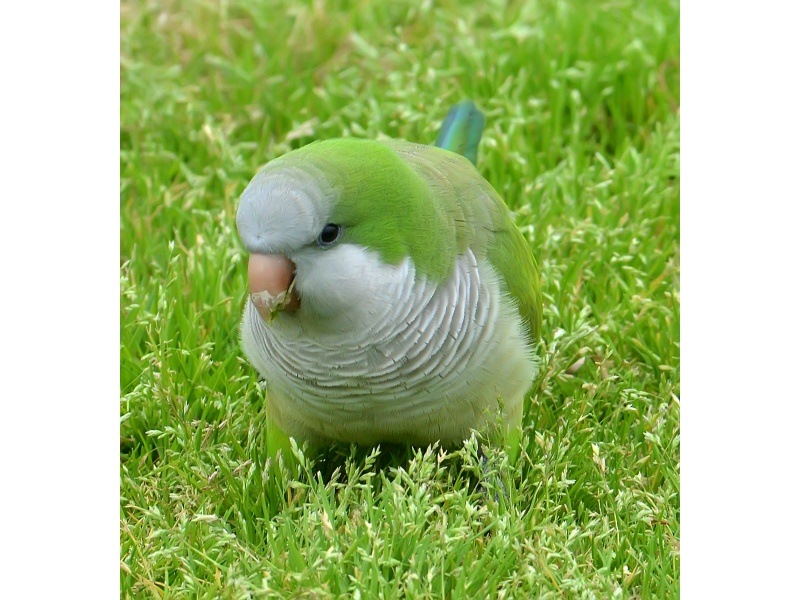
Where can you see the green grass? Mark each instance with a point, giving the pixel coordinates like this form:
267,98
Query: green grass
582,141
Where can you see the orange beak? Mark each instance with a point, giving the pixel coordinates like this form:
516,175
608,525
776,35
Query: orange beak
271,281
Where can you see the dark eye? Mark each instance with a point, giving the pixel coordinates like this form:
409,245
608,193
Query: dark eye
329,234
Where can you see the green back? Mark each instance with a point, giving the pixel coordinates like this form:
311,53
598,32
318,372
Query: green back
403,199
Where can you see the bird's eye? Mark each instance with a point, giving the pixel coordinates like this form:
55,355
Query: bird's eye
329,234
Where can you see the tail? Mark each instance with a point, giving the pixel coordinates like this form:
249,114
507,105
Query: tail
461,130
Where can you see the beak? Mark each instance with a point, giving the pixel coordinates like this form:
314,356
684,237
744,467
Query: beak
271,279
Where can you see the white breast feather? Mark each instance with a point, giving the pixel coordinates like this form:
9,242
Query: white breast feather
430,365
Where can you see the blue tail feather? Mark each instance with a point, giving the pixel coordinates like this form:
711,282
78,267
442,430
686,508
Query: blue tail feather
461,130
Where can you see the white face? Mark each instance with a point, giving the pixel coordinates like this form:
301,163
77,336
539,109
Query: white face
348,289
283,211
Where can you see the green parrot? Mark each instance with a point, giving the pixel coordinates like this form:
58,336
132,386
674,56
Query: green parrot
392,299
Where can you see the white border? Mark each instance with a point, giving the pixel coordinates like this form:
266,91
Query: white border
59,249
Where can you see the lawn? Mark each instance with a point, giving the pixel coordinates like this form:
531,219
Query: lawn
582,141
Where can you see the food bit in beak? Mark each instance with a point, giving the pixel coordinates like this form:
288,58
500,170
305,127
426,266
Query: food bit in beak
269,306
271,281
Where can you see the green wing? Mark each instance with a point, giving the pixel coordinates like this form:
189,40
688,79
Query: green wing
510,254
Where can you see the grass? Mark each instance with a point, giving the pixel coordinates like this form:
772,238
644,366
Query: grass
582,141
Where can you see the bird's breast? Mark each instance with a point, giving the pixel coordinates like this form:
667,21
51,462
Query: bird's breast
437,361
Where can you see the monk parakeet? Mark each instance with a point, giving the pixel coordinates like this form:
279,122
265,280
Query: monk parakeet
392,298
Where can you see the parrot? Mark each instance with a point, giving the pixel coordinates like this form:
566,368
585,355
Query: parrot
391,297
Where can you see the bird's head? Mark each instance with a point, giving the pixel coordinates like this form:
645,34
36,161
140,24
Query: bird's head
333,231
